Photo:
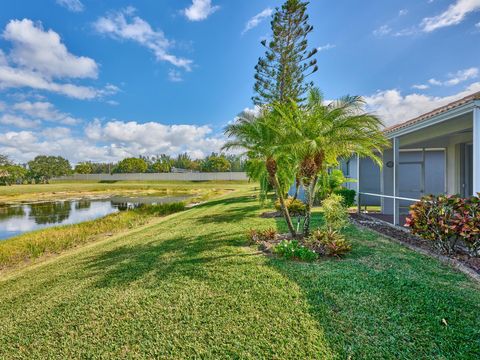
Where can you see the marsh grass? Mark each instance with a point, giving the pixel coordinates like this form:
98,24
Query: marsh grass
30,246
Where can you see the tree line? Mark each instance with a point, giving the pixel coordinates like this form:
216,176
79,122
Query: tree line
43,168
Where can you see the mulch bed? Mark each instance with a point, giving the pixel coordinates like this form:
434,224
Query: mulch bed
463,262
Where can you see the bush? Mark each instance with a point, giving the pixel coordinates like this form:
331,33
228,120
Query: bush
329,242
295,207
348,196
256,236
335,214
445,220
293,250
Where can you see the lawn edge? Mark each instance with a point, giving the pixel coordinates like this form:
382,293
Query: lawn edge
452,263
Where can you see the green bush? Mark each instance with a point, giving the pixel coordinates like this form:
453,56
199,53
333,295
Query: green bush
295,207
293,250
335,214
446,220
348,196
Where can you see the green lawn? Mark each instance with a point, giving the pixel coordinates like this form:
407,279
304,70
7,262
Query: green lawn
188,287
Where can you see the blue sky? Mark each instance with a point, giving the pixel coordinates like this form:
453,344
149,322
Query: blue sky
101,80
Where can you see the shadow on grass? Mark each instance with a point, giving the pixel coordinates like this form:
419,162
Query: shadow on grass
166,260
385,301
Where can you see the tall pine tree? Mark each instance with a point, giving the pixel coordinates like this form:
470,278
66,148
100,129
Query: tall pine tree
280,75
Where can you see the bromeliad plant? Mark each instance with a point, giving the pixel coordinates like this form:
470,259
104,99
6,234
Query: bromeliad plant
447,220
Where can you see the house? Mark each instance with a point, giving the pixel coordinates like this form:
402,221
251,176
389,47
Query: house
437,152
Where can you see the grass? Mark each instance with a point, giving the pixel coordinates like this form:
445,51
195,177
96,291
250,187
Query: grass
32,245
188,287
68,189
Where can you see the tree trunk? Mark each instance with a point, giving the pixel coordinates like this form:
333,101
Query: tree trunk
310,197
283,207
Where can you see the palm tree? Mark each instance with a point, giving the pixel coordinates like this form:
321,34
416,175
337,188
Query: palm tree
261,138
320,134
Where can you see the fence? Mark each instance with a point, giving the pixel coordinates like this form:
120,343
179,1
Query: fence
187,176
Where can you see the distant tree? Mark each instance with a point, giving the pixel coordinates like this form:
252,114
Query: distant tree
215,163
131,165
237,163
159,163
83,168
102,168
43,168
280,75
4,160
12,174
183,161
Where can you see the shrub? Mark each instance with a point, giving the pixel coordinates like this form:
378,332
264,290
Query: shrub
445,220
348,196
335,214
293,250
295,207
330,242
255,236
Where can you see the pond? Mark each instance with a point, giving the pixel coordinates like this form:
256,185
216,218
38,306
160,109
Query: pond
21,218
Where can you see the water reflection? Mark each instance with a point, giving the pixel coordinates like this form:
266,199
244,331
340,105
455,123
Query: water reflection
17,219
50,212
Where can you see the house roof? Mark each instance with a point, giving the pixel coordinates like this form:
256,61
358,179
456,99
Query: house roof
430,114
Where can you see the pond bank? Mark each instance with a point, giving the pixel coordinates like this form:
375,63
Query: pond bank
46,242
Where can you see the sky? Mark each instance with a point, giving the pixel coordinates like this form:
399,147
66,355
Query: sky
101,80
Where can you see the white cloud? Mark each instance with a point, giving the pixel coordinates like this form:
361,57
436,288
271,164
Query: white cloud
111,141
200,10
477,25
461,76
44,111
403,12
35,49
257,19
174,75
72,5
326,47
124,24
393,107
382,30
456,78
454,15
11,77
38,59
420,86
28,114
18,121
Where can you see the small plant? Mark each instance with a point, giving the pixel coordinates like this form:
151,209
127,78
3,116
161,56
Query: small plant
348,196
446,221
329,242
293,250
295,206
257,236
252,236
335,214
